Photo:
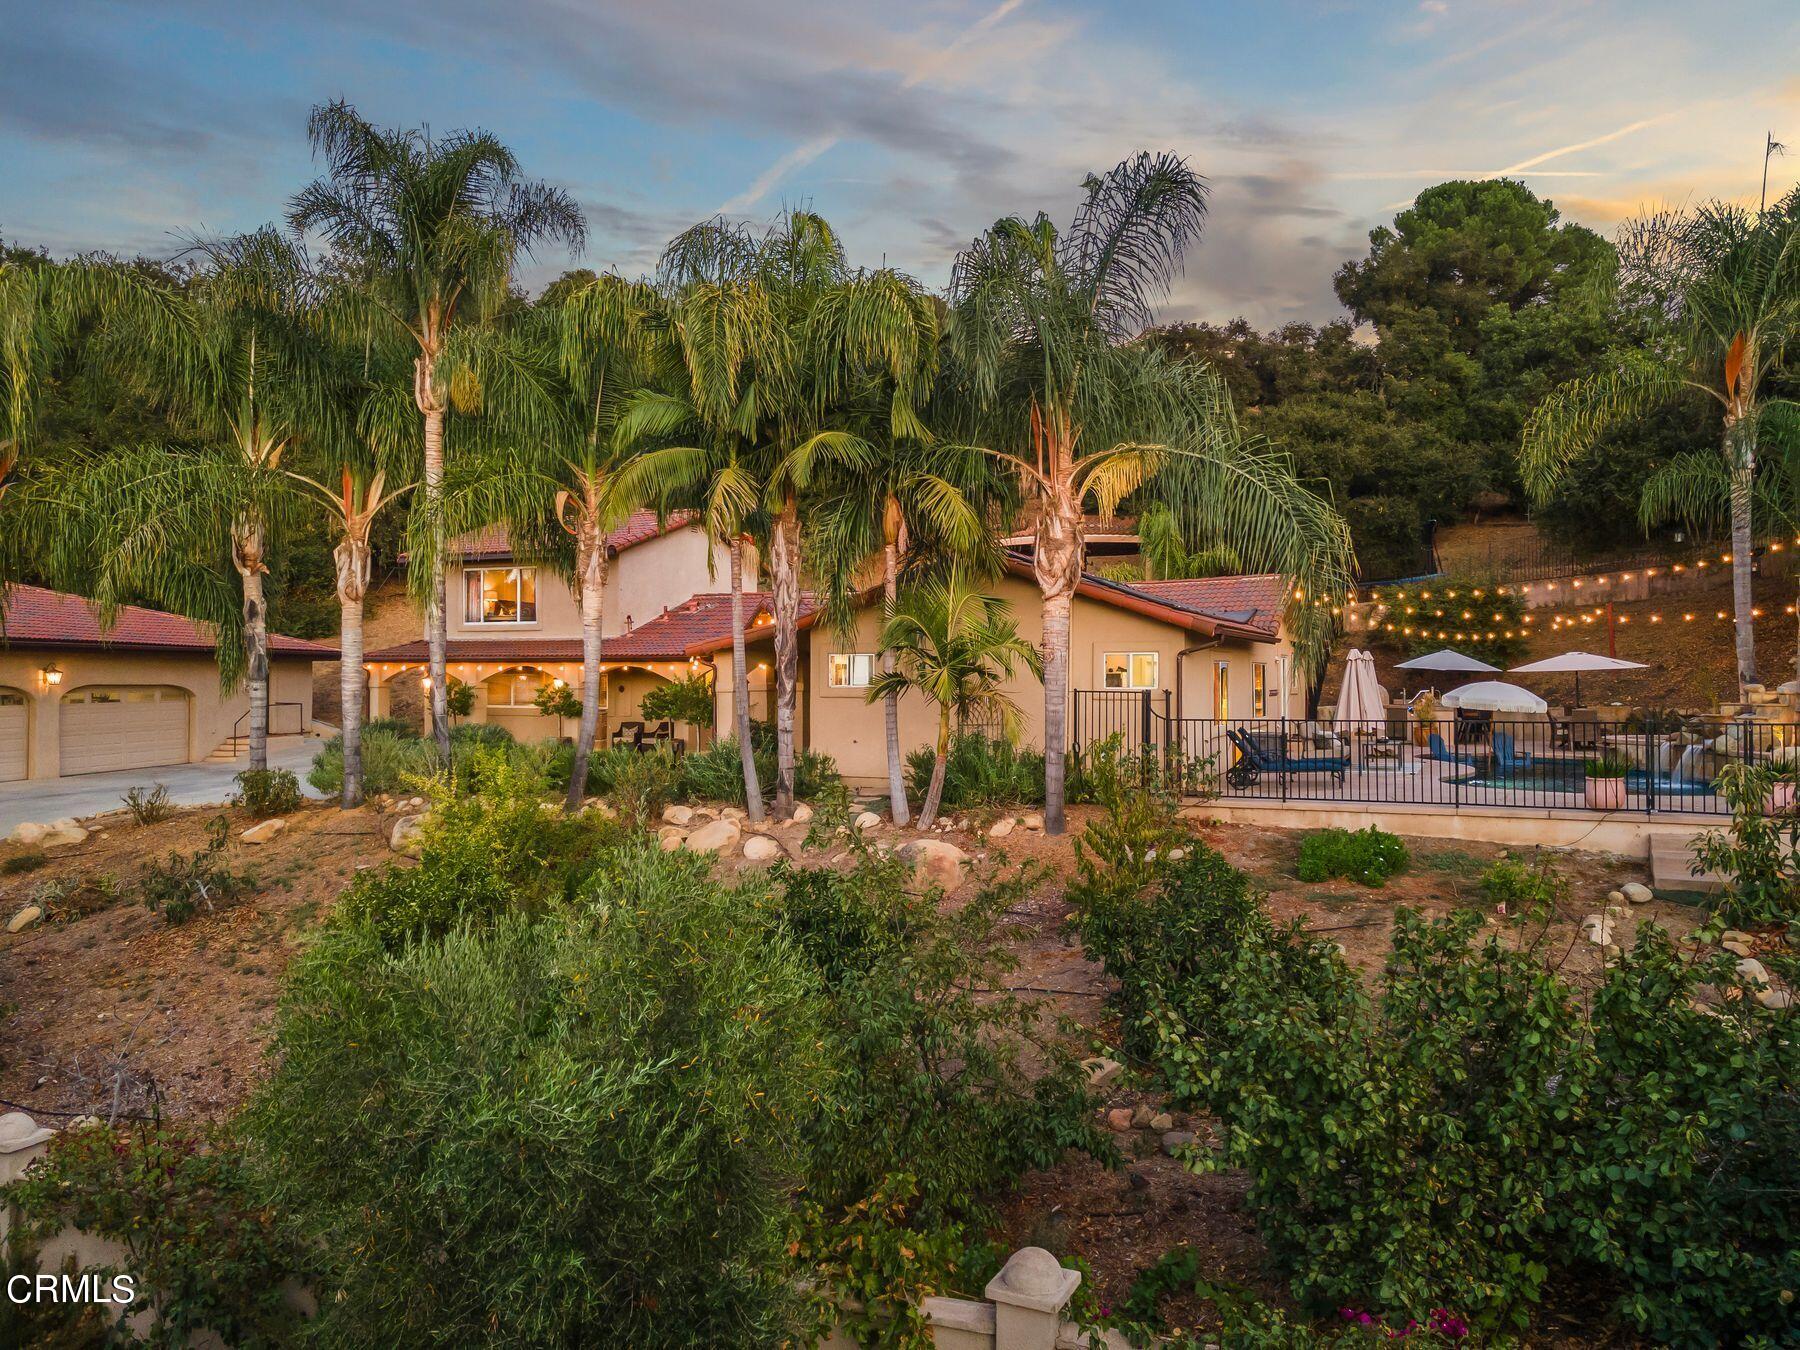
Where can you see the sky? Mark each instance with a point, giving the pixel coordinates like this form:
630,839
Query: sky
129,126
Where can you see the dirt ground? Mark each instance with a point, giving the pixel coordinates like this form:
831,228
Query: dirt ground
105,1001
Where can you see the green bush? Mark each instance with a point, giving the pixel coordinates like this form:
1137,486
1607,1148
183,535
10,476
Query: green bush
1760,852
689,700
203,1249
182,884
637,783
1368,856
268,792
397,759
980,771
716,774
149,806
518,1135
494,851
1524,890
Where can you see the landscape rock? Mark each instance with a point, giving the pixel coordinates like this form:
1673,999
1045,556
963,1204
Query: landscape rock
1001,828
935,862
733,813
1140,1116
1174,1140
1162,1122
404,837
1119,1118
1736,935
601,809
672,841
28,832
64,834
803,813
1753,972
719,836
1779,1000
1737,948
677,815
1177,854
1597,928
263,831
868,820
1615,897
761,848
1101,1071
1636,892
25,918
65,823
1032,821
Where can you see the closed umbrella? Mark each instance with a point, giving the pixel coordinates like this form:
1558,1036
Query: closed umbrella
1362,702
1494,696
1573,663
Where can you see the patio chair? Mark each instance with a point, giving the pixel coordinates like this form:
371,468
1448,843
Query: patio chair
1583,729
662,737
1507,757
1436,749
629,733
1263,755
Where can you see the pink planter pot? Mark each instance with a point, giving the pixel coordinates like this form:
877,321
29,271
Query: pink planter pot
1780,799
1605,794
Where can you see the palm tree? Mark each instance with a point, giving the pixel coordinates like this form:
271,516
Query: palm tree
589,346
240,363
955,646
1721,286
431,228
1051,383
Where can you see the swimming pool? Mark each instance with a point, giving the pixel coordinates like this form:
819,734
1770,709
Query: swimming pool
1570,775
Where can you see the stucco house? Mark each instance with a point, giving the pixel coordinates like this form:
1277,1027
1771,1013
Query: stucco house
514,627
144,693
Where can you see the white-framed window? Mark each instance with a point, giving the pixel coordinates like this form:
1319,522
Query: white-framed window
850,670
1130,670
514,688
500,595
123,694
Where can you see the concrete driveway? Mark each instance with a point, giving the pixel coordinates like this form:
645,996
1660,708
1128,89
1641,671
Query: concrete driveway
93,794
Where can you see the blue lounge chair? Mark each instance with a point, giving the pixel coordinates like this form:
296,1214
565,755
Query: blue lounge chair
1268,756
1506,757
1436,749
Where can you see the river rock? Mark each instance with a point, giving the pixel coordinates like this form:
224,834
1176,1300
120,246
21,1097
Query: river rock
25,918
1032,820
1001,828
1597,928
1778,1000
28,832
1162,1121
935,862
761,848
1119,1118
867,820
263,831
802,813
672,839
60,834
1101,1071
1737,948
720,836
1753,972
404,836
677,815
1140,1116
1637,893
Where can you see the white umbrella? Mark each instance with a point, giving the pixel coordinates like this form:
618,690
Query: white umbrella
1362,702
1573,663
1495,696
1449,660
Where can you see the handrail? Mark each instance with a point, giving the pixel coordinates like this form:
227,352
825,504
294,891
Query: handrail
244,736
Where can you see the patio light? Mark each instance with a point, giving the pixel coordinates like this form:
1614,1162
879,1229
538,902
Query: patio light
52,675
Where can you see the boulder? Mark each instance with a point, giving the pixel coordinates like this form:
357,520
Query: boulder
1031,820
1173,1141
1736,935
719,836
867,820
25,918
1119,1118
1636,892
263,831
935,862
677,815
601,809
802,813
733,813
1777,1000
761,848
1597,928
1615,897
1101,1071
672,841
63,834
1738,948
1001,828
65,823
404,837
28,832
1162,1121
1140,1116
1753,972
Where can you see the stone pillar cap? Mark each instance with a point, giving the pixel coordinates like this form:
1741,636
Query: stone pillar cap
1033,1278
19,1131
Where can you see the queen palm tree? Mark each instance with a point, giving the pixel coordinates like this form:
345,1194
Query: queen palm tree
1050,382
955,646
240,363
1722,287
431,228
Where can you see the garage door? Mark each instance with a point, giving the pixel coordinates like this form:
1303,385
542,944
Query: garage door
123,727
12,735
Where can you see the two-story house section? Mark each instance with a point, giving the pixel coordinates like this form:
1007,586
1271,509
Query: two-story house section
514,627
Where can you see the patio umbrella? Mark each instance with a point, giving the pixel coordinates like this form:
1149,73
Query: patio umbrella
1574,663
1450,660
1494,696
1362,702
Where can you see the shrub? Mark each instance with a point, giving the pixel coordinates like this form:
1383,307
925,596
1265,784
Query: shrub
980,771
1608,765
1760,852
488,853
1523,890
516,1135
557,700
716,774
149,807
392,759
1368,856
689,700
183,883
26,860
202,1248
268,792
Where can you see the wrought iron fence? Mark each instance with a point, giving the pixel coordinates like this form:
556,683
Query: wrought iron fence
1583,761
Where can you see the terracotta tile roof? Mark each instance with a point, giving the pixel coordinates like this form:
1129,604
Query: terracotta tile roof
1178,607
699,625
492,543
1257,600
36,617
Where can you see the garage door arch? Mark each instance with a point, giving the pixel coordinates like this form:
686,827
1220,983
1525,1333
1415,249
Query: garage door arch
109,727
15,734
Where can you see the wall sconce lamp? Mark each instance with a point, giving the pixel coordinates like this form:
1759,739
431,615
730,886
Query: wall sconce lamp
52,675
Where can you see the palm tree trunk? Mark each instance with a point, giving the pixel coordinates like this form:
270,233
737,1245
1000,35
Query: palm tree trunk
1056,565
590,569
935,792
890,589
437,659
740,684
1741,453
351,681
247,557
784,571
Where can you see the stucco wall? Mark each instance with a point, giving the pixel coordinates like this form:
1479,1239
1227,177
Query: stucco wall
211,714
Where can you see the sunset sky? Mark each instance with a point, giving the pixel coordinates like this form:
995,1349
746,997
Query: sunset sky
125,126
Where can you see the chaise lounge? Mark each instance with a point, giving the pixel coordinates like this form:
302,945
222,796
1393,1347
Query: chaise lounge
1260,756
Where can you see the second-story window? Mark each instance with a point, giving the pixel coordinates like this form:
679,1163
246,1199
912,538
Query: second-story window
851,670
500,595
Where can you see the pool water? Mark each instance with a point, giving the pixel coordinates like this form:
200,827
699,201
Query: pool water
1563,775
